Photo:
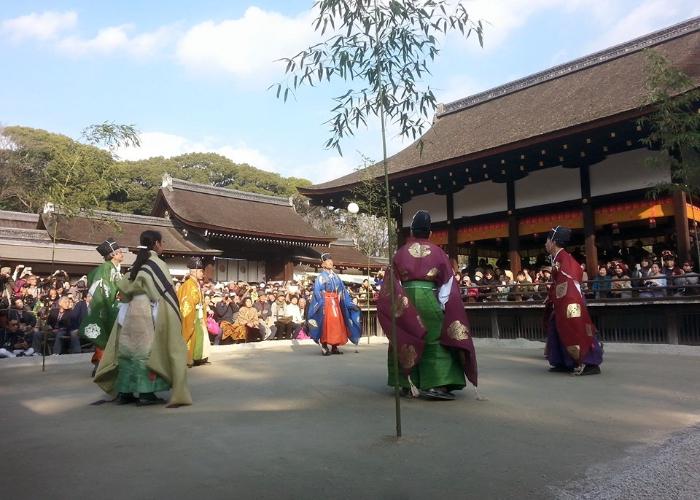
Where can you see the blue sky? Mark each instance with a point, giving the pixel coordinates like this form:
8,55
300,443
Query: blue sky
193,76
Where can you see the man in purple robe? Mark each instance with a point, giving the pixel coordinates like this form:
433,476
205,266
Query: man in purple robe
434,344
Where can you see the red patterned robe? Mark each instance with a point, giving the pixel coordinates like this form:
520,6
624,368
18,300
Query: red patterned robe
573,324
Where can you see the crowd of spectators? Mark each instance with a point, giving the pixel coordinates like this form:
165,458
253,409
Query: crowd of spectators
243,312
36,310
44,312
648,277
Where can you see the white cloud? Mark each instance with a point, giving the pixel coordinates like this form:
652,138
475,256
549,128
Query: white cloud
117,39
457,87
167,145
327,169
646,17
246,47
44,26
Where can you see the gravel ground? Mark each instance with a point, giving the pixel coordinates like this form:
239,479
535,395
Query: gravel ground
278,420
669,470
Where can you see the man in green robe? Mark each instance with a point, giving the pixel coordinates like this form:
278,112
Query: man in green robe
102,298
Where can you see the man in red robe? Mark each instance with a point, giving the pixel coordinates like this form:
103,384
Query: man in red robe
572,345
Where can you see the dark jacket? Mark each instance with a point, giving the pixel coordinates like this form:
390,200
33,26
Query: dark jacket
224,311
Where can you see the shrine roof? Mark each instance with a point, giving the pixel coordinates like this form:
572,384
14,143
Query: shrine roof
96,226
580,94
230,212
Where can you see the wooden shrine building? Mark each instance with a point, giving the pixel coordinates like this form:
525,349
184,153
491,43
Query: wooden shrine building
500,168
257,235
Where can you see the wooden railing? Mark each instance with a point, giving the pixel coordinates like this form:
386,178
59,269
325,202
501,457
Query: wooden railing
671,320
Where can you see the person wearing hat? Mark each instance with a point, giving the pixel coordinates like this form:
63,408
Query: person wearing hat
102,304
433,339
145,353
194,326
572,345
333,318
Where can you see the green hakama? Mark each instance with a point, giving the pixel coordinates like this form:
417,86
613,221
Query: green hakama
439,366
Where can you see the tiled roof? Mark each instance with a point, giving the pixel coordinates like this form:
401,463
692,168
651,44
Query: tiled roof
227,211
18,220
606,84
96,227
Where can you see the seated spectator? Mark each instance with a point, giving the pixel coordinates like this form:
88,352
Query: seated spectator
488,286
639,276
247,325
20,313
225,309
295,313
671,271
654,285
601,284
63,325
689,283
541,283
284,327
504,285
17,339
264,308
620,285
521,288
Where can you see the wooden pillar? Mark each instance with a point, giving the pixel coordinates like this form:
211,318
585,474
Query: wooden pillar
288,270
588,223
400,233
680,216
451,229
513,232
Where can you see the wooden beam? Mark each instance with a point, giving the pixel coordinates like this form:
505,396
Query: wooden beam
680,218
451,229
588,223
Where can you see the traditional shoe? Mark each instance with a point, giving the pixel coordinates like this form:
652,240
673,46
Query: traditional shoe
588,370
325,352
560,369
148,398
437,395
124,398
335,350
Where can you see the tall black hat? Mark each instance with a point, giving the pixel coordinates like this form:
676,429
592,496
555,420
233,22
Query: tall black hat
325,257
421,223
108,247
560,235
195,263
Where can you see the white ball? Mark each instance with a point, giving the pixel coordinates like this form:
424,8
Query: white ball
353,208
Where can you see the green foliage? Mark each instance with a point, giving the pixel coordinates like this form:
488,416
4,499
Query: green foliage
38,166
387,46
140,180
675,122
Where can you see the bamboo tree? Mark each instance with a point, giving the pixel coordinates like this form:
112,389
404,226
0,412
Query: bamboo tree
674,128
385,48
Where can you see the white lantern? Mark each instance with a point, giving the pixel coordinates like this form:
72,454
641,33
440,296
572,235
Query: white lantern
353,208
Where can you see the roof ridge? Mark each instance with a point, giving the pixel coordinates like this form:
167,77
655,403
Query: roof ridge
123,217
602,56
171,182
20,215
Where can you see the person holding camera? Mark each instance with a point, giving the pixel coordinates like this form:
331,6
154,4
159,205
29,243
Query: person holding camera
654,284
